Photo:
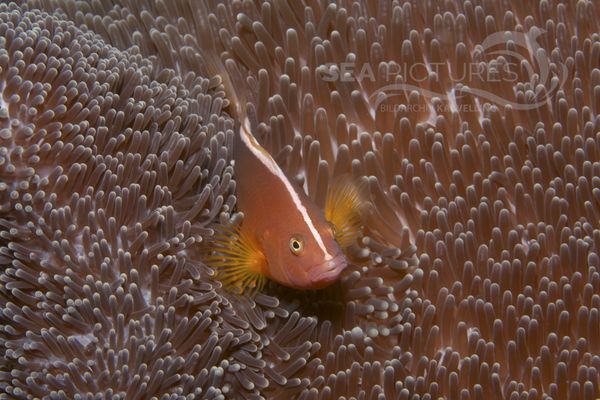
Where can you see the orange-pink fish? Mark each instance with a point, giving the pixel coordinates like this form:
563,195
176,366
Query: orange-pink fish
284,236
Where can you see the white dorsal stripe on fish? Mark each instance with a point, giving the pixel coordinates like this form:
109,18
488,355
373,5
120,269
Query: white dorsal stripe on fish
251,143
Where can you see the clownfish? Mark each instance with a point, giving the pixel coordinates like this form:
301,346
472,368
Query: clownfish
284,236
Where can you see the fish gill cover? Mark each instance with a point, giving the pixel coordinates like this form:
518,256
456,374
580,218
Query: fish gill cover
475,125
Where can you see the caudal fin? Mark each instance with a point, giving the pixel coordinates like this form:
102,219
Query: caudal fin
232,80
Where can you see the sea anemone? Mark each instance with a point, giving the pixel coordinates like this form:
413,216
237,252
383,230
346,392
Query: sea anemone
474,125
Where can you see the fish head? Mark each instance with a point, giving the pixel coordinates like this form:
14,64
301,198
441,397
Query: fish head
303,256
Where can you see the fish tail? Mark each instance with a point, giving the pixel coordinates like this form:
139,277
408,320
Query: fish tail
345,209
237,260
227,71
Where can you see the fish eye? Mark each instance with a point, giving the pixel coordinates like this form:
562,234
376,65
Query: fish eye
296,245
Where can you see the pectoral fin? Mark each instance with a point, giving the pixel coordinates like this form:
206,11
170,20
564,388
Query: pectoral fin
237,260
344,209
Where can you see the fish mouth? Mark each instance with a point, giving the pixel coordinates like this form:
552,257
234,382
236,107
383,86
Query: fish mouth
326,273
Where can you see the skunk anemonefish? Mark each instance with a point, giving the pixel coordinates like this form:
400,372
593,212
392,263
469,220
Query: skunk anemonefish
284,236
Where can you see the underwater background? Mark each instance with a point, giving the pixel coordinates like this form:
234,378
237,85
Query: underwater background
475,125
